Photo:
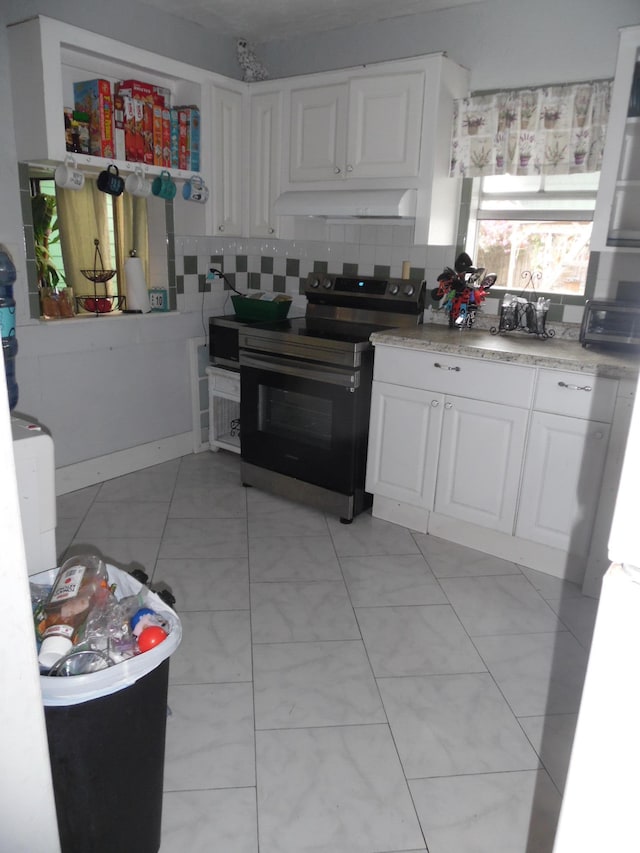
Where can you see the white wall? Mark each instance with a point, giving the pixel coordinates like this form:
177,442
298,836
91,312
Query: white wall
504,43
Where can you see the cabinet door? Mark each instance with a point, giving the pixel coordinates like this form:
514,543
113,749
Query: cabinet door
480,460
616,221
228,157
384,126
265,163
318,134
403,443
561,484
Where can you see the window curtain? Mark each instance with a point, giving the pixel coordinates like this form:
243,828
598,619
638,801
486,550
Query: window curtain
82,216
132,232
553,130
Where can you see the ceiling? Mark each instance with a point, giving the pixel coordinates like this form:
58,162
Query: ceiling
266,20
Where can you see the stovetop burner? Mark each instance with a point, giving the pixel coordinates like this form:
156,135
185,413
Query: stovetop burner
342,313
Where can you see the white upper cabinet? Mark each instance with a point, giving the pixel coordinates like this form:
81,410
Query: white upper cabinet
616,223
367,128
228,158
47,57
385,126
264,166
318,133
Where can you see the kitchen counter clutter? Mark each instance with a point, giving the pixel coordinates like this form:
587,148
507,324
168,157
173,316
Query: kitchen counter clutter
505,443
517,348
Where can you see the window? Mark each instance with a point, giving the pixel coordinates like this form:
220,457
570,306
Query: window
537,223
67,226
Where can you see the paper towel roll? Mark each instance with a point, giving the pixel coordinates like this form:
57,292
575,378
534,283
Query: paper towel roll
137,293
406,269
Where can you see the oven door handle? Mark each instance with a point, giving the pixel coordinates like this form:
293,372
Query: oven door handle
327,374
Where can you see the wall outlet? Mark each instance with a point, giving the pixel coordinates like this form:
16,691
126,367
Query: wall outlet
213,271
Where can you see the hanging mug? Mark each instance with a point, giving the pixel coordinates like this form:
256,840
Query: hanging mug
68,177
110,181
137,184
163,186
195,190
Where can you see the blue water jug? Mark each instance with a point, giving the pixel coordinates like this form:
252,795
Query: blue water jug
8,323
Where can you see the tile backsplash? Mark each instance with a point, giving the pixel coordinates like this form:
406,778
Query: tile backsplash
282,266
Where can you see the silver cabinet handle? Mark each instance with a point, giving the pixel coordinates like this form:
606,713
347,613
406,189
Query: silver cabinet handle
272,230
448,405
435,403
337,170
598,435
220,227
446,367
575,387
349,168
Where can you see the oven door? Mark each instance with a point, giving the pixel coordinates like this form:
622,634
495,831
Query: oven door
306,421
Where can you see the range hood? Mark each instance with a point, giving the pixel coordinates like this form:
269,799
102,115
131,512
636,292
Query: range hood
339,204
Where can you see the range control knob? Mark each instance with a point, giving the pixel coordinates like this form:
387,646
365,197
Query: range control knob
327,284
393,289
408,290
315,282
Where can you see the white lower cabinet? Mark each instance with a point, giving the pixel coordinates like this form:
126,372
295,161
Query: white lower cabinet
479,462
456,456
512,460
561,484
404,440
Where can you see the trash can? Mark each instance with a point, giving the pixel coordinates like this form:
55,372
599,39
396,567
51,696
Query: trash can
106,733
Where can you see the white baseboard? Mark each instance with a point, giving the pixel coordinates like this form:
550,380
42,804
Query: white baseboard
535,555
92,471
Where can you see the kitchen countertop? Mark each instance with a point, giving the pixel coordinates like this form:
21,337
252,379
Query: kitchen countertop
515,347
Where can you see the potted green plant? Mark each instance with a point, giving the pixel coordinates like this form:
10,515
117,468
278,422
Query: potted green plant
54,302
45,234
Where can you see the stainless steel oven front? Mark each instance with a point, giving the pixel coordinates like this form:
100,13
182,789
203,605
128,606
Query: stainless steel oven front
304,429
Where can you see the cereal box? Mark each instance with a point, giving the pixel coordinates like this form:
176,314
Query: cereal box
175,138
119,142
94,98
193,138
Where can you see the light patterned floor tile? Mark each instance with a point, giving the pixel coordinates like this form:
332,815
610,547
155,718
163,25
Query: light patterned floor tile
208,821
333,790
446,725
515,812
314,684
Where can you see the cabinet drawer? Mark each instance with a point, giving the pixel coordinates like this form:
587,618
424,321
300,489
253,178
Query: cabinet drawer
481,379
224,381
579,395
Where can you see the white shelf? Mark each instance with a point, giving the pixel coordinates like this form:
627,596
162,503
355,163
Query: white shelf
48,56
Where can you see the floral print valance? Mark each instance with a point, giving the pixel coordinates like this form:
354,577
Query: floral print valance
554,130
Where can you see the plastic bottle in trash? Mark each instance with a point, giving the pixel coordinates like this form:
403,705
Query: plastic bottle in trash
8,323
82,583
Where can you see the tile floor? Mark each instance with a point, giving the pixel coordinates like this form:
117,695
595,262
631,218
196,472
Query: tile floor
343,688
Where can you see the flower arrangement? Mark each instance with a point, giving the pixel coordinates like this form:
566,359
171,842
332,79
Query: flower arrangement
581,146
551,114
480,159
581,142
555,154
526,142
473,122
528,106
